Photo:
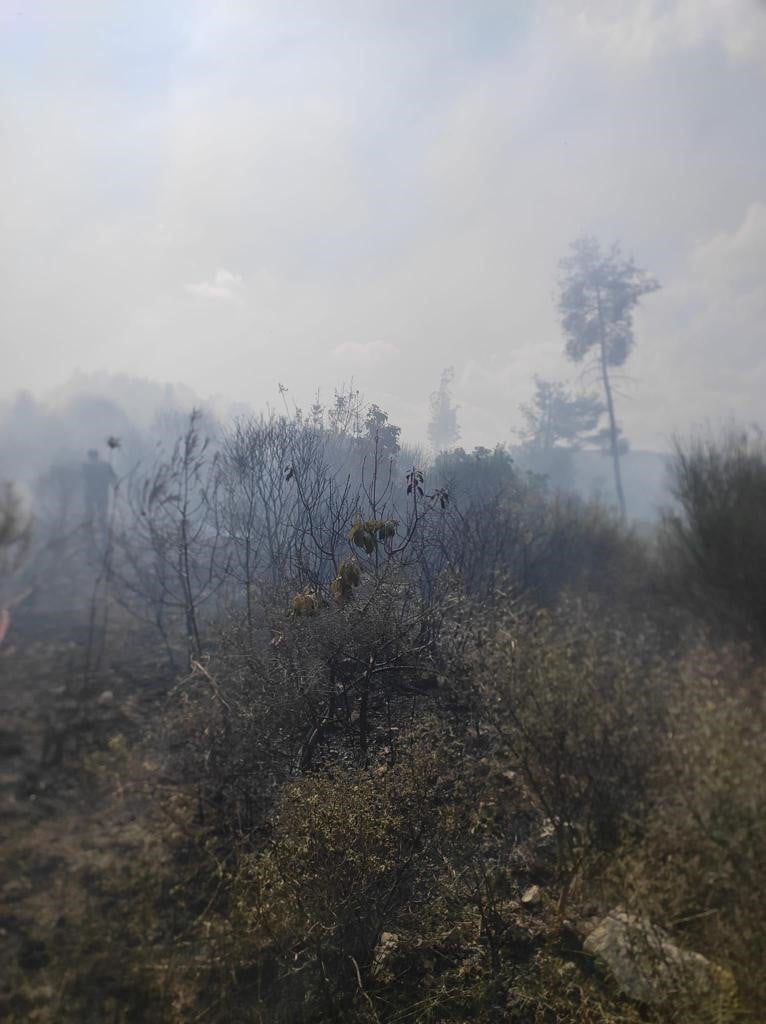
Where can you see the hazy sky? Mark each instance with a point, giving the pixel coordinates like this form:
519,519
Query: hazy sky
232,194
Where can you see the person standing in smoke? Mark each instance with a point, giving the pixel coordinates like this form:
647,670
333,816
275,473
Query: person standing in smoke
98,478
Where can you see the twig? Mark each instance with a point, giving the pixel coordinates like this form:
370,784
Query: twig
362,989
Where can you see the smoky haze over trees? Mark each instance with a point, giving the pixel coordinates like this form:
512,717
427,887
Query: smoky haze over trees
337,685
371,648
365,669
443,429
557,417
558,423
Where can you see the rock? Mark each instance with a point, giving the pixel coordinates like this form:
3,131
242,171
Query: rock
531,896
648,968
543,844
384,951
546,837
105,698
542,851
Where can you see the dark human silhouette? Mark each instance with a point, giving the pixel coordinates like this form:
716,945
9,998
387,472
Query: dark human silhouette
98,477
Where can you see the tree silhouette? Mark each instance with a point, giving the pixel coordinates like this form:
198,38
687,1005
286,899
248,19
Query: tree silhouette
443,430
379,430
554,416
598,292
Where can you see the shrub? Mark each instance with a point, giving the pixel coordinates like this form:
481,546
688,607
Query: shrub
700,865
344,858
544,544
323,683
714,543
575,713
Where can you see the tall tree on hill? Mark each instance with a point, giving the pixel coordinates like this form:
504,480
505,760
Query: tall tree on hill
598,292
443,430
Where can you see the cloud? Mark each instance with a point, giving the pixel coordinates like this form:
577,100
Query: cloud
645,30
735,259
366,353
702,336
224,286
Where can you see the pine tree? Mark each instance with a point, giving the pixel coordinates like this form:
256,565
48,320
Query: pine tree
598,292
